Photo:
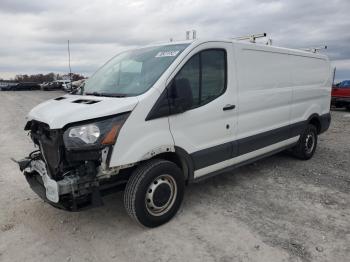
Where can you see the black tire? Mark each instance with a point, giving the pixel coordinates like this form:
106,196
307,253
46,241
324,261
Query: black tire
138,201
307,143
348,107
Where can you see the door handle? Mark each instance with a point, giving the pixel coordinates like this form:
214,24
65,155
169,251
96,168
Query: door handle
229,107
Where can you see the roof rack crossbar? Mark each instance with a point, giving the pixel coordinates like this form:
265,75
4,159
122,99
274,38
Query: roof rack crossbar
251,38
314,49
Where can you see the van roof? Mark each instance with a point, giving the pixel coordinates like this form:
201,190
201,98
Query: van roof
251,45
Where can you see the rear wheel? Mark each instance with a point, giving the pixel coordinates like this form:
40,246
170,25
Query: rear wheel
154,192
307,143
348,107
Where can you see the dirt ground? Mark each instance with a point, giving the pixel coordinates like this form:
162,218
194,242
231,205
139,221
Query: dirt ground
278,209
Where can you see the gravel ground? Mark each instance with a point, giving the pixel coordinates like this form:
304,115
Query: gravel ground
277,209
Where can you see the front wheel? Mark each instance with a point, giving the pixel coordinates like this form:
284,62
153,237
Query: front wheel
307,143
154,192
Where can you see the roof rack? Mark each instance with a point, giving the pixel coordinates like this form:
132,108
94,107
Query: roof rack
314,49
194,35
251,38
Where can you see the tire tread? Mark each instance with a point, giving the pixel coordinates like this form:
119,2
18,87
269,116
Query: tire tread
298,150
133,184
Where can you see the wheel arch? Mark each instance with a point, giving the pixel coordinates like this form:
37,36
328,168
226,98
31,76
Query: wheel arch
315,120
182,159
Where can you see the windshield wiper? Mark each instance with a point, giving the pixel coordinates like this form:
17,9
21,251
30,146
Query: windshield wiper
93,93
116,95
105,94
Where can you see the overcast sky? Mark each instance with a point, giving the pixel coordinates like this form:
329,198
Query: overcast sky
34,33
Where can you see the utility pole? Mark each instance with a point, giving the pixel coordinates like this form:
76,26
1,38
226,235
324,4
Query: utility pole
70,69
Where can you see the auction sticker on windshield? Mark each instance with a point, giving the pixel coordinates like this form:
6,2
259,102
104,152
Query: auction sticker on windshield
167,53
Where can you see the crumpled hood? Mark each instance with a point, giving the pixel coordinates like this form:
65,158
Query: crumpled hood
73,108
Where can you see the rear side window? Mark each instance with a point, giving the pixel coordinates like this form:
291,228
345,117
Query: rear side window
206,73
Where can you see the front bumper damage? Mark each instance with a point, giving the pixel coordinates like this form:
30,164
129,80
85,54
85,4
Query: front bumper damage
72,193
67,180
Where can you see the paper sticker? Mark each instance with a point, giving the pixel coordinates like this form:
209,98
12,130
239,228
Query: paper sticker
167,53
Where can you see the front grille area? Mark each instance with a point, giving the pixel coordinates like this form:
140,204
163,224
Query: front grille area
59,161
50,144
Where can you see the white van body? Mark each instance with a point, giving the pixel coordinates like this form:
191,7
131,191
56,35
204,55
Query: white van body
270,95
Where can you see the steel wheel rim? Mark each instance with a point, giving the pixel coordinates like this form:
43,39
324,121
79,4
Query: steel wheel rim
310,143
153,204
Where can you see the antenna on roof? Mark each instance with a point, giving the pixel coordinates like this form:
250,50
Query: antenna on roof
251,38
314,49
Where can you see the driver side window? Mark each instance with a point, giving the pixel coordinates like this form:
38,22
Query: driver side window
206,74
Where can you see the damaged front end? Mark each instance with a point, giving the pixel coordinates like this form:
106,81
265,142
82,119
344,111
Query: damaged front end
70,170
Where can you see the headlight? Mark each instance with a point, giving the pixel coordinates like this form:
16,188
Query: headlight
89,133
92,135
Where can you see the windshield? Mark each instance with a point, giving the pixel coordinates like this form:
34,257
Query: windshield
132,72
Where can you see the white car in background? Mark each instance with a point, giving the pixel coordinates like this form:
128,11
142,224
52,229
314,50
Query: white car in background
66,85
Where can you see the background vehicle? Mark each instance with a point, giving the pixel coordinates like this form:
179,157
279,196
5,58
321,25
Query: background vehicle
51,86
66,85
341,94
7,86
154,119
22,86
43,85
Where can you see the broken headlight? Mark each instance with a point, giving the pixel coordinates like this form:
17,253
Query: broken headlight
94,134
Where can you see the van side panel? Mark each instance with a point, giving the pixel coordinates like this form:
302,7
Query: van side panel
265,89
312,86
278,90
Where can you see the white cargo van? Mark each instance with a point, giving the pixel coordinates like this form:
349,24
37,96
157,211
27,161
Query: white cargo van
155,119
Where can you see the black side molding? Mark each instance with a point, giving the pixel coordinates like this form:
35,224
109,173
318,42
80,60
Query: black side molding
212,155
219,153
233,167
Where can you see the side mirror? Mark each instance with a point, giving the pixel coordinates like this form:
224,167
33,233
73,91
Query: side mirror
181,97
